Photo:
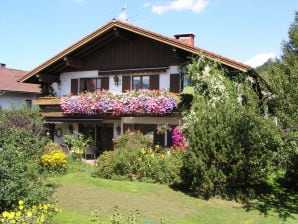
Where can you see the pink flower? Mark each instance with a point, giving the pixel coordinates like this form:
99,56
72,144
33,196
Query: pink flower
153,102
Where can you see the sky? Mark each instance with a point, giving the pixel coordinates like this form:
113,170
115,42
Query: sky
248,31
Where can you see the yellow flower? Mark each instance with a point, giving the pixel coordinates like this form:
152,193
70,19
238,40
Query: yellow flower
143,151
21,202
5,214
11,215
29,213
18,213
21,207
42,219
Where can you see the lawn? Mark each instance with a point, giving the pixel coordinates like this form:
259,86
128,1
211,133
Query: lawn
79,194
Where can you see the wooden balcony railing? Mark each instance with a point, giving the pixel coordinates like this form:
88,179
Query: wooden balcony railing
47,100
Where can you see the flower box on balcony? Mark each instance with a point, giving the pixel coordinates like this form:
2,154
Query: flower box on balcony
142,102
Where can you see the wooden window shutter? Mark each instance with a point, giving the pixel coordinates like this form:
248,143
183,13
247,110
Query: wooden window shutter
154,82
74,86
175,83
105,83
126,83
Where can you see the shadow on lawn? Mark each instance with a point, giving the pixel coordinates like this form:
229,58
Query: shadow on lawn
267,199
285,204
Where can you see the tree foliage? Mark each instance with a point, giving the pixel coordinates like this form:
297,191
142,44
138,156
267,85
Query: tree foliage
282,76
232,148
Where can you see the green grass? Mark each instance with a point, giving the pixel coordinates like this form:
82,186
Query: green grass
79,194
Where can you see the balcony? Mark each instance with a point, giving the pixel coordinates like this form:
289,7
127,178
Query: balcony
49,106
104,103
47,100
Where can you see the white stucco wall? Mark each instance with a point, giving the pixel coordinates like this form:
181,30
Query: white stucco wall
15,99
65,131
64,87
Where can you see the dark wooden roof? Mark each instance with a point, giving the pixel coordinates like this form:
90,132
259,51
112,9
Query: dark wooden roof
115,31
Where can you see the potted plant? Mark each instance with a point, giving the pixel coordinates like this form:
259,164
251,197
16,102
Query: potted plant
78,144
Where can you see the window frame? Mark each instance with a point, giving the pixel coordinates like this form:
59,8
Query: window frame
141,81
96,84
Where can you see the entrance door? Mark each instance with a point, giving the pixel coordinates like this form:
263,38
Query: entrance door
104,136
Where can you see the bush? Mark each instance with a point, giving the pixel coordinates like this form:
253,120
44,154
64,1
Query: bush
106,165
41,213
53,160
231,151
131,140
20,151
134,160
232,147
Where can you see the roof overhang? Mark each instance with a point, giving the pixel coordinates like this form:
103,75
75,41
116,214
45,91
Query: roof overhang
62,56
72,119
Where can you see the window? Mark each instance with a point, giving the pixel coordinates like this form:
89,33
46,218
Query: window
29,103
94,84
140,82
175,83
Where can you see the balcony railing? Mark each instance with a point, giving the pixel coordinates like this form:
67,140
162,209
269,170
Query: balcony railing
48,100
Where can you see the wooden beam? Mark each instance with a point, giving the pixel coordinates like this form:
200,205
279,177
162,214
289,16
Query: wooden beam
52,114
74,62
42,77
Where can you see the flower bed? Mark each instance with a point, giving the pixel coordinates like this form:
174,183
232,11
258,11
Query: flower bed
151,102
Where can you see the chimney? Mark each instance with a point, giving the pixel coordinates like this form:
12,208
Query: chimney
2,65
187,38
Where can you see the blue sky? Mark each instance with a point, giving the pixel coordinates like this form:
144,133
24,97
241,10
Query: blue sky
32,31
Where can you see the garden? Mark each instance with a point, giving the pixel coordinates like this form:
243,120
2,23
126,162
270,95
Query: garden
136,183
230,163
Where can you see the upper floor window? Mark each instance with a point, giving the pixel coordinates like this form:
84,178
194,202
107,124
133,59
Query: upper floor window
93,84
140,82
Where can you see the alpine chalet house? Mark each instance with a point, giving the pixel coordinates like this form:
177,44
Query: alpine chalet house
14,93
117,78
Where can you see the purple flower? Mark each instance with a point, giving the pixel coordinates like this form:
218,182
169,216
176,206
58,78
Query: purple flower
142,102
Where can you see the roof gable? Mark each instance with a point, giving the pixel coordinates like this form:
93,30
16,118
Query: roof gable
109,31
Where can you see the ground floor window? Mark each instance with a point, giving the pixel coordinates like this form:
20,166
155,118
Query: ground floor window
164,139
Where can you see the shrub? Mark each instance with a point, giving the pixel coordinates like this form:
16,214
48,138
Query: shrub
20,151
106,165
231,150
36,214
131,140
54,160
29,119
134,160
178,137
232,147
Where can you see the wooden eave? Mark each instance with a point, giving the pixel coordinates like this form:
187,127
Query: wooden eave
108,32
